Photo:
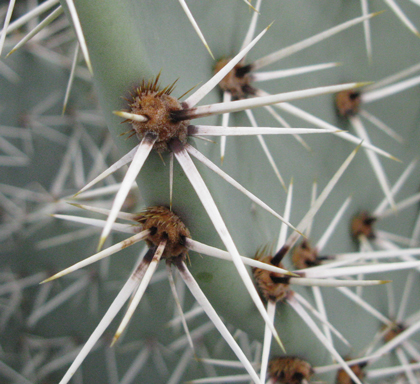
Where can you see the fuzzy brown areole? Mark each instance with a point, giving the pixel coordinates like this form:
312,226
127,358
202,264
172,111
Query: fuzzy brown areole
289,370
273,286
394,332
362,224
347,103
304,256
344,378
165,225
237,82
157,106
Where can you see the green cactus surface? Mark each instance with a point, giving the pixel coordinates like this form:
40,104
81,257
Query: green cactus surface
47,156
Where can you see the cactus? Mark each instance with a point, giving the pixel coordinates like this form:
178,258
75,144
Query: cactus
48,157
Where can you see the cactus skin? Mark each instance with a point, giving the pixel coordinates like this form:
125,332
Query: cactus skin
133,41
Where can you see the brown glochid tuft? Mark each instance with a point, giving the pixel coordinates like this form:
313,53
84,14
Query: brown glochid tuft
394,331
289,370
304,256
237,82
157,105
273,286
362,225
165,225
344,378
347,103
